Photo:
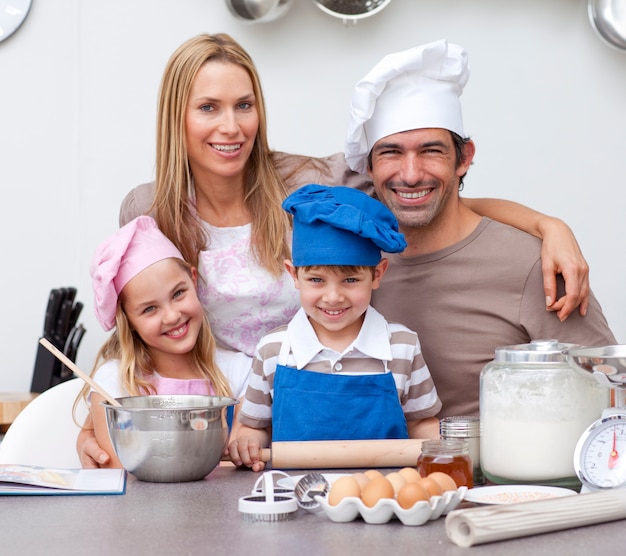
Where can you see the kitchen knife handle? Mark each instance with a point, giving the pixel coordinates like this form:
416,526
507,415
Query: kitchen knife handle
78,307
62,328
73,341
52,310
71,294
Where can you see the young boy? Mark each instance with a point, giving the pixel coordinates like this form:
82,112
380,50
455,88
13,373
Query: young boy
338,370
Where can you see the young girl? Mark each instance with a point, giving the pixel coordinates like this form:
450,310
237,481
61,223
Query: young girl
162,342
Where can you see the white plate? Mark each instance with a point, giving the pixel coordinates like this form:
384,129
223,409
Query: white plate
290,482
512,494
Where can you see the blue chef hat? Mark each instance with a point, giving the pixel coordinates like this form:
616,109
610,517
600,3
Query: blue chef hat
340,226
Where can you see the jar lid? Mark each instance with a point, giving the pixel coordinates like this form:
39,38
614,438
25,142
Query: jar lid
459,427
445,446
538,351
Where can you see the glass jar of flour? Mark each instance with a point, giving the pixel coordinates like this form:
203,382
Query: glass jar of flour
533,409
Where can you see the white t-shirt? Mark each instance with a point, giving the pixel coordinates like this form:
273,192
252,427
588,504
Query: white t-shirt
235,366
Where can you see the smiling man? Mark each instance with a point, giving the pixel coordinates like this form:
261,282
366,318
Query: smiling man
465,283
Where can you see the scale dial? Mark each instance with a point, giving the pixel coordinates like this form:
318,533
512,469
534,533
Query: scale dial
600,455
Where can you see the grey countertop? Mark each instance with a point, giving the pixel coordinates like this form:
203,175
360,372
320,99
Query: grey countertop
202,517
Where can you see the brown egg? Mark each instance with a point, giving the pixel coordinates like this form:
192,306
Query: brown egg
445,481
431,486
373,473
376,489
362,479
397,481
343,487
410,474
411,493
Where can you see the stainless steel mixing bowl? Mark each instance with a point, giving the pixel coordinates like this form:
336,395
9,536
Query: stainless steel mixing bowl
169,439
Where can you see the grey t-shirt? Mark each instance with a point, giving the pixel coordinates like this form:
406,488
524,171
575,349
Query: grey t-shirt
467,299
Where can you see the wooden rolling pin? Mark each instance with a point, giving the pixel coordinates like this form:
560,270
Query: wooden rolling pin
342,454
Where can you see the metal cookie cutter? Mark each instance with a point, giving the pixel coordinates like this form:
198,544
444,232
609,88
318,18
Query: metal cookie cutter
309,487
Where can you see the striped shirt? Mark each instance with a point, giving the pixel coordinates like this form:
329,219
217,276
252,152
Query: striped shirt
380,347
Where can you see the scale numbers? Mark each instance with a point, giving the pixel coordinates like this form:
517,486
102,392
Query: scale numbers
600,455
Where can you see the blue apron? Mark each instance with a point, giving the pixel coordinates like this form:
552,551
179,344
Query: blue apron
309,405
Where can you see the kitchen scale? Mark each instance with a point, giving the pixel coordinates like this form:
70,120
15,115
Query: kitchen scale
600,454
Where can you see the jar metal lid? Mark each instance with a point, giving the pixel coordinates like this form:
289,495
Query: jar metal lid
445,446
537,351
459,427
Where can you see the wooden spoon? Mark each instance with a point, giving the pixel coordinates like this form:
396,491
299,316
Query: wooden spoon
72,366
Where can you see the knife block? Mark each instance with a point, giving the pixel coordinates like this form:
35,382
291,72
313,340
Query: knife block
48,371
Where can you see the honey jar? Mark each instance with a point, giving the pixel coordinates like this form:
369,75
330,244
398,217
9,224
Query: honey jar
467,429
450,456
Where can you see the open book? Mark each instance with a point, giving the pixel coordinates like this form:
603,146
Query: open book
29,479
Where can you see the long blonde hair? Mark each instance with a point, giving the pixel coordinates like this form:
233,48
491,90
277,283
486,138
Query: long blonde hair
136,365
264,188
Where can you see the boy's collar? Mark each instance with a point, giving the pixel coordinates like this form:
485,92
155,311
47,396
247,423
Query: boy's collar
373,339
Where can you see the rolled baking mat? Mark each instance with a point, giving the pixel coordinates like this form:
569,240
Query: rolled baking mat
496,523
343,454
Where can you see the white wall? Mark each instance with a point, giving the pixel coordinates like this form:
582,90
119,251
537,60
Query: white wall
78,86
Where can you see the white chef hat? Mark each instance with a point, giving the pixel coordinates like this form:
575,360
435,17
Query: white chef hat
414,89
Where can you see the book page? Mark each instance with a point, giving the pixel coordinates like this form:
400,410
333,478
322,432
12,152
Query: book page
28,478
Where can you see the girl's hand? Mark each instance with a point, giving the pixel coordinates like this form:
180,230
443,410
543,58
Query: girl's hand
90,453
